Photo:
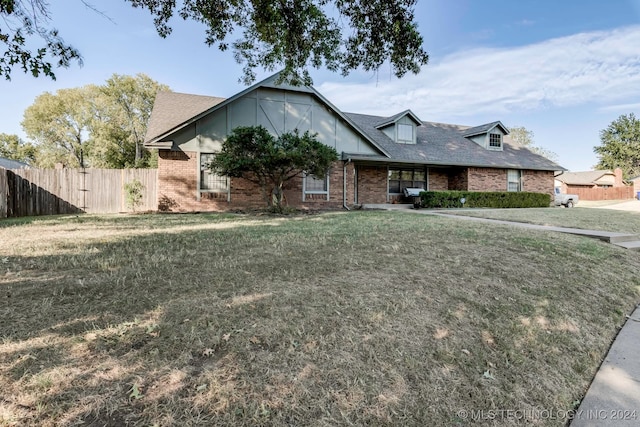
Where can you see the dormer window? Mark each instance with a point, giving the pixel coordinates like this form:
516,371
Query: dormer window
488,136
401,128
405,133
495,141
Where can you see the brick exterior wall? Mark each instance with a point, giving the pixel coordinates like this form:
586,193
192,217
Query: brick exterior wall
491,179
459,179
538,182
438,180
178,179
178,188
486,179
372,184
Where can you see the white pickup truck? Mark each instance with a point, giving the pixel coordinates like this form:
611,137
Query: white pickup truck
566,200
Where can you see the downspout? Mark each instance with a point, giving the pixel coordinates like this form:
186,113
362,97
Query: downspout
344,184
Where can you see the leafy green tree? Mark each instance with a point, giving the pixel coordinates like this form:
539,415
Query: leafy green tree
524,137
293,35
27,41
97,126
60,124
122,113
14,148
254,154
342,35
620,146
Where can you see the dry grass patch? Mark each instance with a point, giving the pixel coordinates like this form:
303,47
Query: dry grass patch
590,219
346,318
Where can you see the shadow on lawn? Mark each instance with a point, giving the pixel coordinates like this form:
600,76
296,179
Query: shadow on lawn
118,319
197,327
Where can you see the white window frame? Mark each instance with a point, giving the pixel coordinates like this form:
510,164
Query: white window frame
304,186
498,142
203,171
514,180
402,139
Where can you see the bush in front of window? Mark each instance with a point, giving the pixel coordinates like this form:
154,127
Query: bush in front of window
488,199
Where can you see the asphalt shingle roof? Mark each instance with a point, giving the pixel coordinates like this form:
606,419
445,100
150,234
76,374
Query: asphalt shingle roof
437,143
477,130
582,178
390,120
445,144
171,109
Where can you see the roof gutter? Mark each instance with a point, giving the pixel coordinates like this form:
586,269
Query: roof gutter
390,161
164,145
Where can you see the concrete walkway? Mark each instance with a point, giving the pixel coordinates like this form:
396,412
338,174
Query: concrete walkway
613,399
625,240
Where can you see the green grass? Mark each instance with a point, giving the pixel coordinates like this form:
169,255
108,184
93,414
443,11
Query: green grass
595,219
366,318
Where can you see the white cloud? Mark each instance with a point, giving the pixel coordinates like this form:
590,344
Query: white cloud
598,67
621,107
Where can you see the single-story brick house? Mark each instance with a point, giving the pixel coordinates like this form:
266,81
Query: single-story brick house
379,156
573,181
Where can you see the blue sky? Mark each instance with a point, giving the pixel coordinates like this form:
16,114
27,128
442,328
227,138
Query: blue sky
563,69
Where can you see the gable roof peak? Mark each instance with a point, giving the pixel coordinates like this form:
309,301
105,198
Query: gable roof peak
387,121
171,109
487,127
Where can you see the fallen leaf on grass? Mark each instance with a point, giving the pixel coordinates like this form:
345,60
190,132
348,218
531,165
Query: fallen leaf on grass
135,393
208,352
226,337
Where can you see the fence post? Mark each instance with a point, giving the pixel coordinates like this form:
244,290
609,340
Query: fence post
4,193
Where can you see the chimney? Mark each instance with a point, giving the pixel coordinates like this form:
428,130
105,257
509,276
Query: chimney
618,173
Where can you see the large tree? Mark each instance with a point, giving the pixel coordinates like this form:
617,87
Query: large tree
14,148
524,137
254,154
122,115
60,124
620,146
293,35
98,126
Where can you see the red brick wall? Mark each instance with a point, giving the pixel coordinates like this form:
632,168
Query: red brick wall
538,182
459,179
438,179
491,179
372,184
178,179
487,179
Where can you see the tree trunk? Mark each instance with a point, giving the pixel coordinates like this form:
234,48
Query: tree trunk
277,196
138,154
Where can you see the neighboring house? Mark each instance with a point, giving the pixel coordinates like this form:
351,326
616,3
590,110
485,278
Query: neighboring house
379,156
12,164
574,181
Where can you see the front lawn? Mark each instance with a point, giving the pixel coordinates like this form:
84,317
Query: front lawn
590,219
365,318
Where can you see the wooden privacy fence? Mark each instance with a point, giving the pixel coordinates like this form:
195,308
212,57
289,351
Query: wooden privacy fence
608,193
29,192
